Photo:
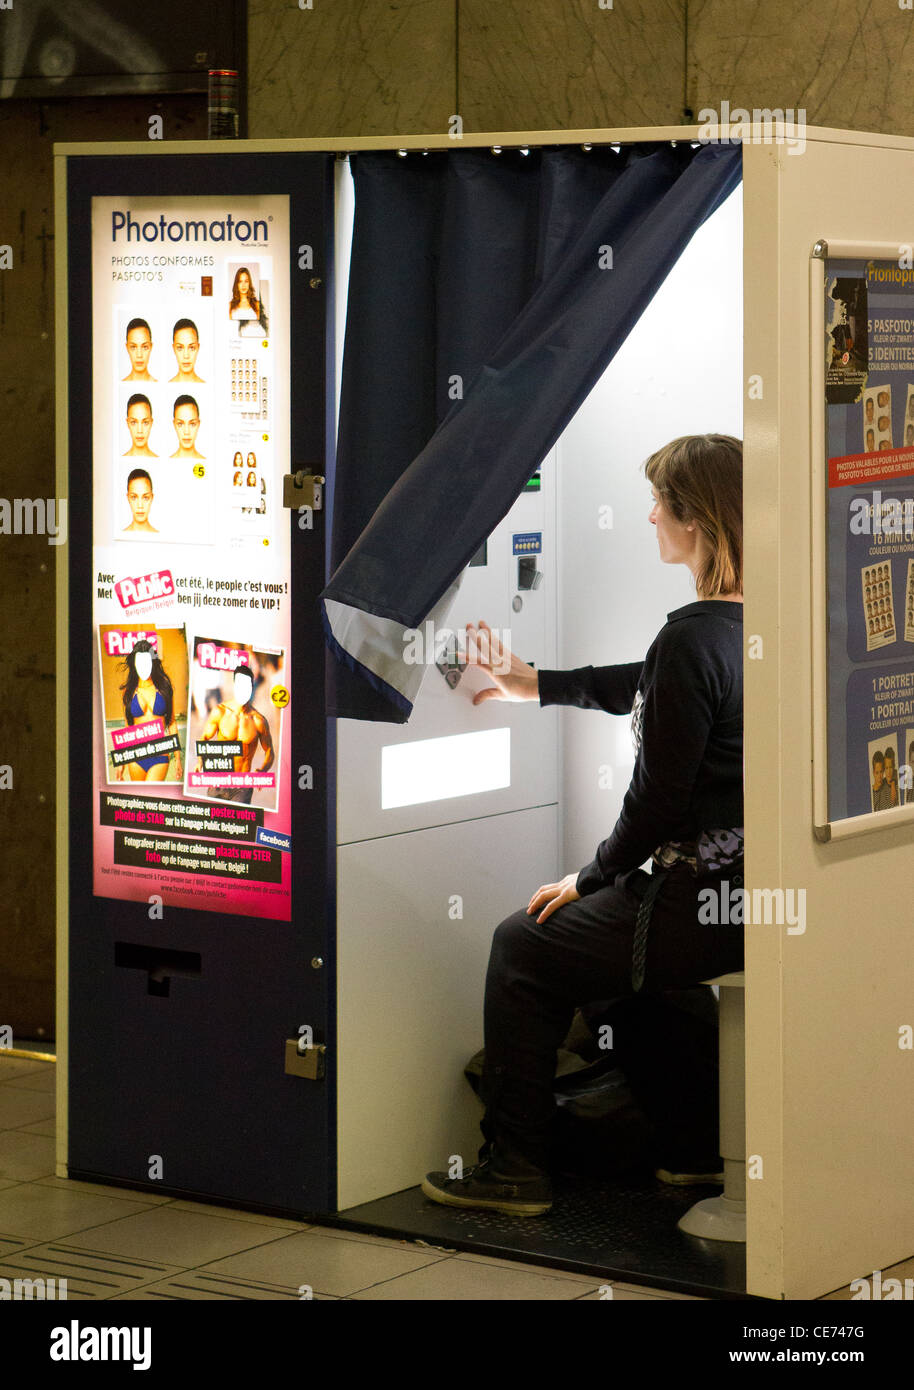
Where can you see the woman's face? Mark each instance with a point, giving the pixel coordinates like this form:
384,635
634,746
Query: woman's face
677,544
237,461
244,284
252,462
143,665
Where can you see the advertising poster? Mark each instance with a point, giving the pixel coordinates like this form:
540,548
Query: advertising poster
869,328
190,412
144,701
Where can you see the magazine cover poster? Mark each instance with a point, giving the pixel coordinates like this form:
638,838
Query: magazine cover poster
143,682
238,695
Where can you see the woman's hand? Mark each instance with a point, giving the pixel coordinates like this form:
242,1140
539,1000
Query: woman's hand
554,895
514,679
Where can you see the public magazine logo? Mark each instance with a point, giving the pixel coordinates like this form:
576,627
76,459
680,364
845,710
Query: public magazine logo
216,658
225,229
123,643
145,588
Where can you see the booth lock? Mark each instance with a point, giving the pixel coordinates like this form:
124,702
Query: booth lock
303,489
309,1063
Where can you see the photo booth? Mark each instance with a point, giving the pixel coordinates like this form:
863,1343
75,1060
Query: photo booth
468,356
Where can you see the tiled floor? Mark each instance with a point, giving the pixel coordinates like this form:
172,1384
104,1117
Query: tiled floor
110,1243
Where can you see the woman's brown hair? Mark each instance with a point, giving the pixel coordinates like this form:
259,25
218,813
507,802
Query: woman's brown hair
699,477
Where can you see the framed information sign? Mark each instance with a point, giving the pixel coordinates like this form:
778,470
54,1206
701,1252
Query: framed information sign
862,305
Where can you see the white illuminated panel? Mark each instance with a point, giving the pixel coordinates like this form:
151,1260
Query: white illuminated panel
432,769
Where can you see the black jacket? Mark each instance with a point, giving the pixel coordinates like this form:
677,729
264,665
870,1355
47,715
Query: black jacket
686,698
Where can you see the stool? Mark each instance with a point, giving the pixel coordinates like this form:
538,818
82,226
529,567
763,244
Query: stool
724,1217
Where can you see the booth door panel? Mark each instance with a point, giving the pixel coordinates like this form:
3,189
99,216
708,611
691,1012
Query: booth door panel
200,892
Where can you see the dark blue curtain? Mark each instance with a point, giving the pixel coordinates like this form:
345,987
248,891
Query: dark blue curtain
482,311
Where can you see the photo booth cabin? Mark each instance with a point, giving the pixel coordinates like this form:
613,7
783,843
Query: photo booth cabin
510,492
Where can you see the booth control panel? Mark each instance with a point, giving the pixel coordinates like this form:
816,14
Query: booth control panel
508,586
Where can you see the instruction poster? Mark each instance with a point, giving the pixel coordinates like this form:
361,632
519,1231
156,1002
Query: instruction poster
869,328
190,412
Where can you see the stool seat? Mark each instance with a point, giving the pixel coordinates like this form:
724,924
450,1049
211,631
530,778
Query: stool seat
724,1217
736,979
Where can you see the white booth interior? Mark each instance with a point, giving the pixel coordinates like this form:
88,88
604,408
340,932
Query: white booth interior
422,886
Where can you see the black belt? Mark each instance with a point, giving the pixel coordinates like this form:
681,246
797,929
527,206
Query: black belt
642,922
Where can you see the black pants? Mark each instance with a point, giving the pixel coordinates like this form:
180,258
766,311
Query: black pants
539,974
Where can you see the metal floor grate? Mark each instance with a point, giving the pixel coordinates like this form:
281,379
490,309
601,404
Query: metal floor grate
614,1230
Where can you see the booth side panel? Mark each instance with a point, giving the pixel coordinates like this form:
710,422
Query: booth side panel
846,980
761,712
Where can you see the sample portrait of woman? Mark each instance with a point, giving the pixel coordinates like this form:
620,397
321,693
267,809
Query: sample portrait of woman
139,346
148,694
891,775
252,460
238,460
611,930
244,303
252,479
237,480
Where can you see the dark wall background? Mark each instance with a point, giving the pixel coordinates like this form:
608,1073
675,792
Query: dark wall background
28,131
361,67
